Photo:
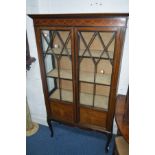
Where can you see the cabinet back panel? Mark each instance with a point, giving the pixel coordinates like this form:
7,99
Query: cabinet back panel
65,63
66,84
96,44
64,35
100,89
87,65
105,66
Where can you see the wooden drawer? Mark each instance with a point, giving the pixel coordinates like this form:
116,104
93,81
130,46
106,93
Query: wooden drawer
62,112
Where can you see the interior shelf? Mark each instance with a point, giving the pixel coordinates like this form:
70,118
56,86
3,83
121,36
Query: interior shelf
64,73
84,76
85,98
99,102
58,50
66,95
95,53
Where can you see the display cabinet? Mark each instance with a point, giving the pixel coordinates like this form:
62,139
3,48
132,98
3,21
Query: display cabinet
79,56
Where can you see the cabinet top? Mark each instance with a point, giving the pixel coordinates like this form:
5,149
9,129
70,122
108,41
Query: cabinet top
82,15
89,19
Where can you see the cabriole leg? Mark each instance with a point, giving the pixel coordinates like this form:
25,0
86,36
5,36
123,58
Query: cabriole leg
50,126
109,136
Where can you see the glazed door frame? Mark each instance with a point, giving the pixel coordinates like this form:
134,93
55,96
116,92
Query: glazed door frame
119,36
43,71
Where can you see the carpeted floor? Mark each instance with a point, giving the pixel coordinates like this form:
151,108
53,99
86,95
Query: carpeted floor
67,141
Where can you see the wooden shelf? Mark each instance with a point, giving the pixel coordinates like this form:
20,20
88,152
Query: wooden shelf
84,76
95,53
64,73
58,50
100,100
66,95
85,98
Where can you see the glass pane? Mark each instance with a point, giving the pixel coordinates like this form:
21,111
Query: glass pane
86,94
96,51
94,95
86,70
64,92
51,84
56,48
97,44
102,96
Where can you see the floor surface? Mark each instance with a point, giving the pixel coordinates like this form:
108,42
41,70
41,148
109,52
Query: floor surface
67,141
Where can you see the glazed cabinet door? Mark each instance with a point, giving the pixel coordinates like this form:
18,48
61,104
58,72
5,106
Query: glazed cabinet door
57,57
95,58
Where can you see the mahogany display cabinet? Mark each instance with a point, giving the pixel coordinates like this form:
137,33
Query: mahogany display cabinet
79,56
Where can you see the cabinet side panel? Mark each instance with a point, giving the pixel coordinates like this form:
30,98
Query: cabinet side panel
42,70
116,67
